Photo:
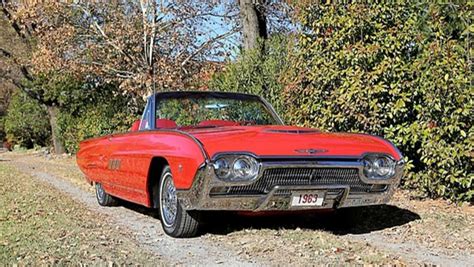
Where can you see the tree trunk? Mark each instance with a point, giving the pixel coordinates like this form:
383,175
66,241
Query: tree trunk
254,23
57,144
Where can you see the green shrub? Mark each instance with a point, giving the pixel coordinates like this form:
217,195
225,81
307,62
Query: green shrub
104,112
396,70
257,72
87,108
26,122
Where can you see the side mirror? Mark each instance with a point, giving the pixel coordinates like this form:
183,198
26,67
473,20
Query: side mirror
135,126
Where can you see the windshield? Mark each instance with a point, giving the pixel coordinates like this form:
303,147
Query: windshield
212,110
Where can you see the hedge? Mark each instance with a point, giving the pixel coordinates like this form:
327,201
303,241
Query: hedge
400,71
396,70
95,119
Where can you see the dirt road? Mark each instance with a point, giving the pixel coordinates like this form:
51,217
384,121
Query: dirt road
406,231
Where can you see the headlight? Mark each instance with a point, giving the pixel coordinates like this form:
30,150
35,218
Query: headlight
236,168
379,167
222,168
246,168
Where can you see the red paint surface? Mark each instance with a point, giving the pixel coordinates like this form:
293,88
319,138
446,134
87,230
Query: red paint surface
274,141
135,151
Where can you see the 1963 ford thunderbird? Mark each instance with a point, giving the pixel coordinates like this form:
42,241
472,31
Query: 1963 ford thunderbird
196,151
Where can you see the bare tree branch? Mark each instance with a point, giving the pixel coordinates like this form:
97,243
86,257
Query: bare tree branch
144,9
124,74
103,34
153,34
207,44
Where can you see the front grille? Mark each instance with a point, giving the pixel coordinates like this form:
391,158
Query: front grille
302,176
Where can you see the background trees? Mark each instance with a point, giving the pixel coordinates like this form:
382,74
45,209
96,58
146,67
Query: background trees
254,22
258,71
130,44
10,74
26,122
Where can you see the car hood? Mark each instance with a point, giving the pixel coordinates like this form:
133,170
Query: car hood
289,141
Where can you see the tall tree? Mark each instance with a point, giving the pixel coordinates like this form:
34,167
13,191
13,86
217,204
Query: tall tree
20,61
254,22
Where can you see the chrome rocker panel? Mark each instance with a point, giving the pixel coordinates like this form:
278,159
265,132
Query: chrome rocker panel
198,197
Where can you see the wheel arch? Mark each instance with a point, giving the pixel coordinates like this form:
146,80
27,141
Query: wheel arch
157,165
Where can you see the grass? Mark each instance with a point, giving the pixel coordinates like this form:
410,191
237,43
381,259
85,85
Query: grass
39,225
319,240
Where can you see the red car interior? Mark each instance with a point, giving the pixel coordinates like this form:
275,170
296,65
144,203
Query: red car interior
135,126
165,124
160,123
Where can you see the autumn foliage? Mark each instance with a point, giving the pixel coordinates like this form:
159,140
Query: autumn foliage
126,43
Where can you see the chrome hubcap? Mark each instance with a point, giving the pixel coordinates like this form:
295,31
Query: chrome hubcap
168,200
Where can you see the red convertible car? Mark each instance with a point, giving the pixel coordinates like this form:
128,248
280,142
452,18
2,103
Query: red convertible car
197,151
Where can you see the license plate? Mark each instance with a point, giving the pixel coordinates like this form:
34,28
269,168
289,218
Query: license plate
314,198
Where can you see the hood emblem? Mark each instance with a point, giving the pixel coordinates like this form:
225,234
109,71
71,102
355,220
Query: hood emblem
311,151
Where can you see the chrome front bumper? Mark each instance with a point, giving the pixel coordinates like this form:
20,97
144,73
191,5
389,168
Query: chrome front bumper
199,196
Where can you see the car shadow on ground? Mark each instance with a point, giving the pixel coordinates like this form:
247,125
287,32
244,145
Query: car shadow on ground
359,220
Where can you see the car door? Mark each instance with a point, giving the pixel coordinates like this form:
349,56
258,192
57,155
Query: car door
129,160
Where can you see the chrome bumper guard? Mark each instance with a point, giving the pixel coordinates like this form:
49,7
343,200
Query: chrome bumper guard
199,197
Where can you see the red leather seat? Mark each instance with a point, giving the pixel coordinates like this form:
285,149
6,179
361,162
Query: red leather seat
160,124
165,124
135,126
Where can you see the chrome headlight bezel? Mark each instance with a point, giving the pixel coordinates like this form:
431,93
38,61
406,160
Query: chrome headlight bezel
236,168
379,167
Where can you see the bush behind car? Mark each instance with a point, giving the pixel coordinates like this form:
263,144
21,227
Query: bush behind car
399,71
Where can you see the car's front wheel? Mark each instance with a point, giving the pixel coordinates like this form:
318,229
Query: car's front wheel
176,221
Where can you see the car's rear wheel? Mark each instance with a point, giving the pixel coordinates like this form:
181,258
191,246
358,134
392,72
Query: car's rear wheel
103,198
176,221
